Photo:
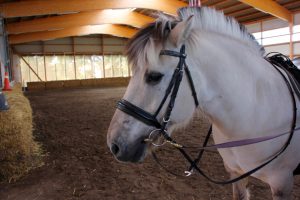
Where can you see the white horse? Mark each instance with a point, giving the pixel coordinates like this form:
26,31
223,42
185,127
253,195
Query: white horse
240,92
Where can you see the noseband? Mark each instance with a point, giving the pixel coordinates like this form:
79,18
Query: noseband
172,90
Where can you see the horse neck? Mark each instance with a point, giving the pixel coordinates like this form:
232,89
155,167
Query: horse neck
238,89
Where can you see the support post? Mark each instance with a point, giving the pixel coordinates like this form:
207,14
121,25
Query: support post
102,49
73,49
66,77
291,26
45,68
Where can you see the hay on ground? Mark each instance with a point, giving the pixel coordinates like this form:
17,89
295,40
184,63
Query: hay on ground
18,151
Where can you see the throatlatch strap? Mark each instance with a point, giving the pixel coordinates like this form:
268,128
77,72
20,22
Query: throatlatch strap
190,80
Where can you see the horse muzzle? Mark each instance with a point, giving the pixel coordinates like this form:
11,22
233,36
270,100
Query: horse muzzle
128,151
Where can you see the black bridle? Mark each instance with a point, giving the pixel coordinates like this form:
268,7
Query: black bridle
172,91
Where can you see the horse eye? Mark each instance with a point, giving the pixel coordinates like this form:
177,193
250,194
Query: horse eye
153,77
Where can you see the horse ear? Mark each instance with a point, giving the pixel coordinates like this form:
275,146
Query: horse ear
181,31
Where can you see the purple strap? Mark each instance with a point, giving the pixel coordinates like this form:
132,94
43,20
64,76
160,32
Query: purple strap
244,142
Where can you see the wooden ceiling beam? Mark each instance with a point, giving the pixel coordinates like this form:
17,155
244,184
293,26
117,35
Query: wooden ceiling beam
218,3
249,8
240,18
231,6
44,7
109,29
239,11
98,17
271,7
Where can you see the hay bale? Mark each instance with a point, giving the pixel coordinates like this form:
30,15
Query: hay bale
36,86
72,84
18,151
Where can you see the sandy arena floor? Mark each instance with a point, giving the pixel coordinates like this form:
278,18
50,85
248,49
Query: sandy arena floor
72,124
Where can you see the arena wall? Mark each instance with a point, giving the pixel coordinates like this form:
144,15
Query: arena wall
85,83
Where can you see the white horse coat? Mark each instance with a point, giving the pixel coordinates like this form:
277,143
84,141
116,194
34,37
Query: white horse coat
241,93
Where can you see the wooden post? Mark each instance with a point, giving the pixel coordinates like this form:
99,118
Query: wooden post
112,65
84,67
66,77
37,65
14,52
102,49
11,63
45,68
93,67
73,49
29,74
291,26
31,68
55,71
120,65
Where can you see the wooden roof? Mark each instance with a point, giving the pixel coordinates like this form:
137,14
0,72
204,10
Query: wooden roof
32,20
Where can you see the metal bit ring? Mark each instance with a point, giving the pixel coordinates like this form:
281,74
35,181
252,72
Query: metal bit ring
152,136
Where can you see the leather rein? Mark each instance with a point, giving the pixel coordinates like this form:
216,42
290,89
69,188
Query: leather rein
161,127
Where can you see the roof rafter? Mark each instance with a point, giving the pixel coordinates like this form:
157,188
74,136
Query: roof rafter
125,17
271,7
217,3
44,7
109,29
239,11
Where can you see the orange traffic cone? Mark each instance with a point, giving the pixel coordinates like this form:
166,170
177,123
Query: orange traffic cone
6,83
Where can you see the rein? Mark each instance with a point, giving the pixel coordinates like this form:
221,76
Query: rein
172,90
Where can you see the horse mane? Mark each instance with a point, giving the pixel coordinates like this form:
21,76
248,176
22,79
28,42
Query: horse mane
204,19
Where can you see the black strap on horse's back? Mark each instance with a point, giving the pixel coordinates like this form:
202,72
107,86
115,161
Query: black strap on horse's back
291,70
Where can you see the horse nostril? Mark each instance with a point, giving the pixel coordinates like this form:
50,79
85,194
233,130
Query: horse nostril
114,149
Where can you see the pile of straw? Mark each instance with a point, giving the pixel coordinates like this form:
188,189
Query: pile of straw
18,151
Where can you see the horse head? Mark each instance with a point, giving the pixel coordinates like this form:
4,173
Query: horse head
152,74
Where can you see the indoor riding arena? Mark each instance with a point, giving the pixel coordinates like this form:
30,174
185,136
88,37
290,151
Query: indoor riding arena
64,66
